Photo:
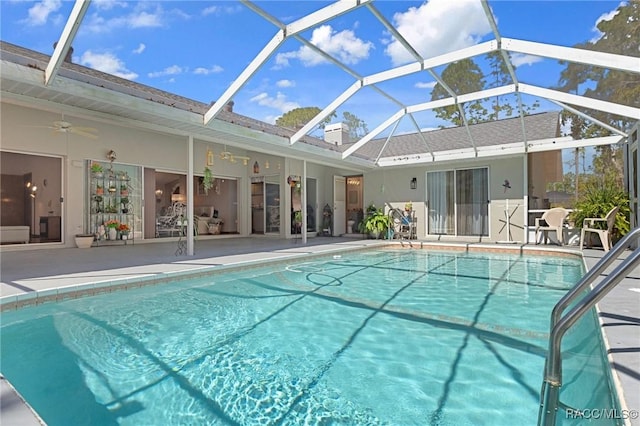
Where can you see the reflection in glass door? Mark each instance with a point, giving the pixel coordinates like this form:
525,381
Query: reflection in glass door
257,207
272,203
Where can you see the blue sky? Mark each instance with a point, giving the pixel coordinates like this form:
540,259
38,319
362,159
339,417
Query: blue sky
197,48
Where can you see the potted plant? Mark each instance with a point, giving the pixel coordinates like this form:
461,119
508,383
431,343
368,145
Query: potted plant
377,223
99,189
207,180
125,204
98,201
408,206
97,170
124,190
112,228
123,228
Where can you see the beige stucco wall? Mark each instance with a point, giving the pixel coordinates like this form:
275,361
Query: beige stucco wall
391,188
24,130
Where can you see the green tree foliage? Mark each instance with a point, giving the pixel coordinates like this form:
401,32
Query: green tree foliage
462,77
499,76
466,77
598,198
357,127
620,35
298,117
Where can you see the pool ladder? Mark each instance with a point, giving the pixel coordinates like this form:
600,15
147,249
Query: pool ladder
550,392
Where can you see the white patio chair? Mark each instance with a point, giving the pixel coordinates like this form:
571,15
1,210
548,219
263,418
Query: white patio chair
588,225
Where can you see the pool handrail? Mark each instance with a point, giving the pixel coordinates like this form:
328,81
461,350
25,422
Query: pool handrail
549,395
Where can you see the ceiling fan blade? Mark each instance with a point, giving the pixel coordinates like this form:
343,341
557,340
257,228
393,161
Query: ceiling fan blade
79,132
86,129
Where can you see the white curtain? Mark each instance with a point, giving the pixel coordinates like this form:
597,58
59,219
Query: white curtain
440,196
472,197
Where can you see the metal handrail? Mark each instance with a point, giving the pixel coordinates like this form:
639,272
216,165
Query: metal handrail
549,395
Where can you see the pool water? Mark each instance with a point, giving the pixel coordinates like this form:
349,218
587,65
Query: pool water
390,337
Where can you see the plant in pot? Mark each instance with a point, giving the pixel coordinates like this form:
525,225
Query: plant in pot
207,180
125,204
124,190
123,229
377,223
99,189
97,170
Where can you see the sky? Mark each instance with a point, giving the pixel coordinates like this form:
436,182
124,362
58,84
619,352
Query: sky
198,48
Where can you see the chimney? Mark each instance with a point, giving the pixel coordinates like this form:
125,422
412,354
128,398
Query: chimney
336,133
69,53
229,106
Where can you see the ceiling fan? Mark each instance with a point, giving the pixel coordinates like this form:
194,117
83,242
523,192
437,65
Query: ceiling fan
63,126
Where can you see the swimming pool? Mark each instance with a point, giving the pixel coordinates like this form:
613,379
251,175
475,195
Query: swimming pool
393,337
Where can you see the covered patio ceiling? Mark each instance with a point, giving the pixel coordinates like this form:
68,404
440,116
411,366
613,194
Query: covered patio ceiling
211,122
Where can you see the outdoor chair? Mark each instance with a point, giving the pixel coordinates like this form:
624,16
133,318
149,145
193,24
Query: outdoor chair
551,220
589,225
168,224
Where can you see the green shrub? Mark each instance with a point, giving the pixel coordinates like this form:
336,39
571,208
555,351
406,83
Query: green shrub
597,200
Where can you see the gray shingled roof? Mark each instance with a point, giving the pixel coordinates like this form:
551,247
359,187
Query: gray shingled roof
537,126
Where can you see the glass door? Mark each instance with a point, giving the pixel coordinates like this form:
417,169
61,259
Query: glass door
272,203
257,207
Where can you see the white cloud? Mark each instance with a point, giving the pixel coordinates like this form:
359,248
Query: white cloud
220,10
604,17
140,49
206,71
39,12
343,45
425,85
107,62
107,4
172,70
140,18
435,28
278,102
145,20
211,10
518,59
286,83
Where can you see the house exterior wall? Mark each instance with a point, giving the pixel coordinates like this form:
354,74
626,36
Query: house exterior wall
391,188
25,130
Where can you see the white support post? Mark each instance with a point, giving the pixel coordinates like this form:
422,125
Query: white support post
190,244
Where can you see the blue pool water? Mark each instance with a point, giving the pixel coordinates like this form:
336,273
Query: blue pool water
390,337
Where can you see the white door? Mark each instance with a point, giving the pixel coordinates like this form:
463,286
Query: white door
339,206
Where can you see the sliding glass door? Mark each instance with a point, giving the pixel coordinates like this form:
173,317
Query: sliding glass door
458,202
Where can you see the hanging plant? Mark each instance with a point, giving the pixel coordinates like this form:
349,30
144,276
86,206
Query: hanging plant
207,181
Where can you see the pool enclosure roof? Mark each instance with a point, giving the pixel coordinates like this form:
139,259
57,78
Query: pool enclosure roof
51,83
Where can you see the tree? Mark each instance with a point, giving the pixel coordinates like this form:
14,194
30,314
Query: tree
499,75
357,127
620,35
462,77
298,117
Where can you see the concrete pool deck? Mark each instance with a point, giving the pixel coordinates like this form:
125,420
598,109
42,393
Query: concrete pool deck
29,274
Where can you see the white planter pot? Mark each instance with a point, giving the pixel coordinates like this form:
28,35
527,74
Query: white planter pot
84,241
